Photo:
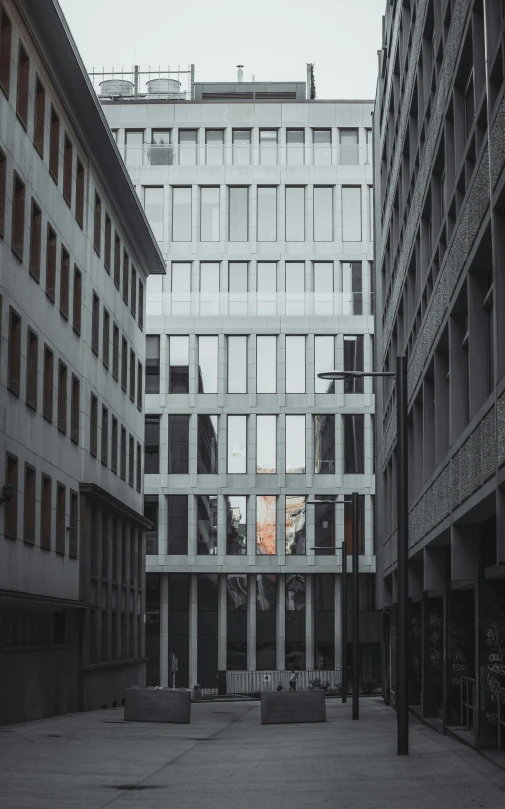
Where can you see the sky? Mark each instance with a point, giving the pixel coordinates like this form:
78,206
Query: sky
273,39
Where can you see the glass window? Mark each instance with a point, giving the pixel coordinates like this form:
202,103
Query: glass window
295,213
237,444
152,445
207,445
369,145
324,360
267,213
295,142
207,364
178,444
134,147
237,286
181,214
321,139
351,214
177,528
151,507
209,288
295,445
295,525
267,287
152,363
323,213
160,152
241,147
352,273
324,444
353,361
349,149
354,443
266,445
187,147
295,364
237,364
209,214
238,214
179,364
181,288
268,147
153,207
295,288
236,538
323,288
206,522
214,147
266,364
348,523
266,525
324,518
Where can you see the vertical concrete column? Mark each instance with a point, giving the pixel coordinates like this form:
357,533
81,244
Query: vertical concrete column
281,354
338,620
309,218
221,621
311,370
281,622
195,219
193,629
164,673
309,622
251,622
222,383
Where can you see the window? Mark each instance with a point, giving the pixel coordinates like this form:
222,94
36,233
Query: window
181,214
237,364
23,86
64,282
324,444
178,444
131,462
207,445
266,445
324,360
117,260
161,152
206,524
354,446
18,217
105,437
151,507
134,147
105,547
45,512
207,364
469,105
114,445
321,139
93,433
62,397
29,505
241,147
181,288
14,360
353,287
152,445
295,147
124,364
238,207
47,403
214,147
295,288
74,519
295,213
323,213
139,470
115,352
353,361
76,316
295,625
179,365
75,408
60,518
152,363
11,506
132,374
95,324
295,525
79,193
141,305
154,210
32,369
187,147
209,214
369,146
266,364
97,232
237,286
126,276
295,445
295,364
3,189
236,527
177,533
123,453
107,243
54,145
324,518
35,241
51,264
268,147
140,385
68,155
106,338
267,214
237,444
266,619
351,214
5,51
349,149
348,523
266,524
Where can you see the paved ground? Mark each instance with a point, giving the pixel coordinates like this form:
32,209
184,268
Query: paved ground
226,759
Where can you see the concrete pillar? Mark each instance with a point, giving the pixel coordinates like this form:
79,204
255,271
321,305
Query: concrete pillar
309,622
221,621
164,674
193,629
251,622
281,622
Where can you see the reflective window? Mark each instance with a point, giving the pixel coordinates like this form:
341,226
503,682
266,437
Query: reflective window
353,361
209,288
237,589
178,444
181,214
207,445
177,528
266,592
295,213
236,620
351,214
267,287
179,365
295,142
214,147
152,445
187,147
152,363
349,150
324,444
324,518
237,286
295,445
321,139
266,526
236,535
209,214
237,364
207,364
354,443
134,147
295,288
295,592
153,207
295,621
348,523
160,152
295,364
151,507
266,621
323,288
324,360
268,147
181,288
206,524
266,445
352,273
238,213
324,620
267,214
266,364
369,146
323,213
241,147
237,444
295,525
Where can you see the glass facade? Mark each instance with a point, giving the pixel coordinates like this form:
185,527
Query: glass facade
209,215
324,360
238,213
266,524
206,537
295,621
351,214
266,623
237,444
267,213
295,364
295,147
295,213
241,147
207,445
181,215
323,213
237,364
266,445
266,364
209,288
236,643
295,525
237,286
268,147
178,381
295,445
188,139
178,444
321,147
177,528
324,530
266,303
181,288
324,444
153,207
214,147
236,525
295,288
208,347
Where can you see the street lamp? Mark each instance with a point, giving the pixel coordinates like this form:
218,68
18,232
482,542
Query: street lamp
402,681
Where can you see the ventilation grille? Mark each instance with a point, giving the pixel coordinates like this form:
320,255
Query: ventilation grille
281,96
227,96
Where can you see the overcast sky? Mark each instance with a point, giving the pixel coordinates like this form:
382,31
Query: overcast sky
273,39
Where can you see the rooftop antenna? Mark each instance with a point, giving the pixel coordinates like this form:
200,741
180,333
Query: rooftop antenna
240,73
254,77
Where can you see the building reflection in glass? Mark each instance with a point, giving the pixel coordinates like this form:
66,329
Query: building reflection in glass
207,445
236,643
295,621
295,445
295,525
266,445
324,444
324,526
266,619
324,360
236,525
266,515
207,524
207,364
179,365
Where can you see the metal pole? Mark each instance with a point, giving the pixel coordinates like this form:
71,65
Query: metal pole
355,611
343,634
402,685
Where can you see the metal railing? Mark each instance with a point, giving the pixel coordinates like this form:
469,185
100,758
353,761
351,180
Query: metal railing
254,682
499,721
467,703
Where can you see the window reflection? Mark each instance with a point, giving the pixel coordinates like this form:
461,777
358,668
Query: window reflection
348,524
209,288
181,214
187,147
177,528
236,526
323,287
323,214
351,214
207,364
295,364
324,360
237,444
266,445
134,151
266,592
349,149
322,147
295,592
267,214
179,364
238,214
207,445
266,515
295,445
352,279
153,207
324,444
214,147
178,444
237,592
209,214
266,622
237,286
206,524
268,147
241,147
295,140
353,361
266,364
181,288
354,443
324,517
295,213
267,288
237,364
295,525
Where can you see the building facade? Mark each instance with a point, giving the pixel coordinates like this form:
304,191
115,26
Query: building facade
260,202
75,252
439,212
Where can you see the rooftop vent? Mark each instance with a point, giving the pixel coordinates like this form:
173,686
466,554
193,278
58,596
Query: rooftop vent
116,87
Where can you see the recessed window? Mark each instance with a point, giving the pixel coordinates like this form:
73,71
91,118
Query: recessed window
209,214
35,241
152,445
206,521
295,445
14,360
11,506
114,445
115,352
62,397
177,533
126,276
106,338
266,364
241,147
132,374
207,445
323,288
51,264
237,364
181,215
295,525
117,260
178,444
324,444
75,411
266,445
237,444
95,324
32,370
353,361
3,190
18,217
68,154
349,148
47,403
74,519
64,282
5,51
23,85
351,214
214,147
134,147
207,363
321,139
268,147
139,467
154,210
323,213
29,505
295,147
141,305
123,453
295,364
188,139
295,213
54,145
105,437
236,545
79,193
97,227
124,364
77,302
93,429
152,363
267,214
266,524
179,365
140,384
238,207
133,292
39,117
324,360
107,243
60,518
45,512
131,461
354,444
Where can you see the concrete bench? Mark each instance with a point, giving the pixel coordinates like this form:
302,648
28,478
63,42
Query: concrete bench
283,707
158,705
